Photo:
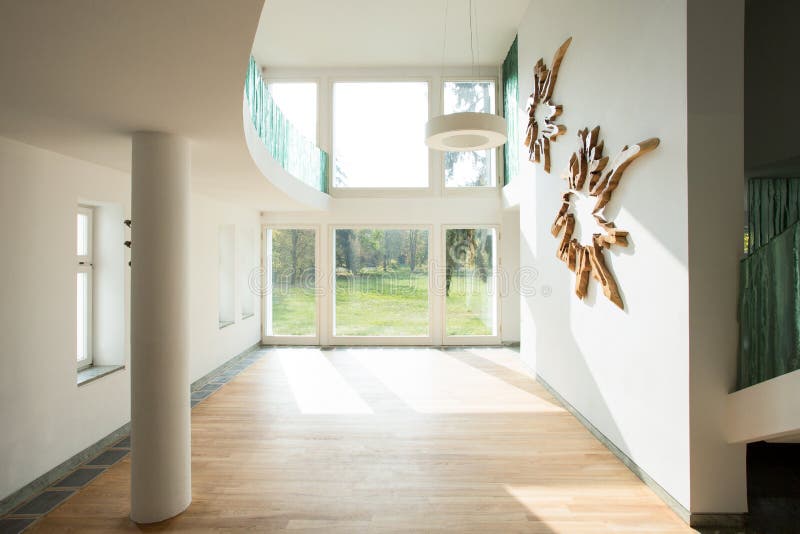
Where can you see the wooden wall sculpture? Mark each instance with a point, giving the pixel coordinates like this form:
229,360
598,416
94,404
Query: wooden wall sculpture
538,137
585,171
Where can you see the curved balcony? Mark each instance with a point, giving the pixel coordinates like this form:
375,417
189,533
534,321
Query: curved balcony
286,157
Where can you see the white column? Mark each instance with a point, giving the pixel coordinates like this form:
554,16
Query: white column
161,481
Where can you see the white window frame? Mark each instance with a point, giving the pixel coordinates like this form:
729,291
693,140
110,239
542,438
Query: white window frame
495,167
376,192
380,340
266,265
83,264
492,339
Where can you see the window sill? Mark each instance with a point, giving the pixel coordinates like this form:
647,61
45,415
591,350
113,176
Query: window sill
93,372
225,324
247,315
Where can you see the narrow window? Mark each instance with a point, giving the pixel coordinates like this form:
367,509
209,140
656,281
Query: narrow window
291,303
471,298
248,281
83,277
227,278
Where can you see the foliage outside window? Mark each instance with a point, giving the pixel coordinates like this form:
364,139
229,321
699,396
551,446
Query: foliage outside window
291,298
476,168
381,282
378,134
471,299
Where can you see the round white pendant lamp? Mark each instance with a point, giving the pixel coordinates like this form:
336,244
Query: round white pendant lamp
467,131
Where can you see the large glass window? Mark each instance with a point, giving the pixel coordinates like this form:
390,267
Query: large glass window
379,134
470,273
291,305
476,168
298,103
83,277
381,282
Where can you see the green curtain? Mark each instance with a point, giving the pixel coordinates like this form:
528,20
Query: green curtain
773,205
299,156
769,310
511,113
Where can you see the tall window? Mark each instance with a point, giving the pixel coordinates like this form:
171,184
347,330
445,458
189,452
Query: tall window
227,276
291,304
476,168
470,283
84,286
298,103
247,273
381,282
378,134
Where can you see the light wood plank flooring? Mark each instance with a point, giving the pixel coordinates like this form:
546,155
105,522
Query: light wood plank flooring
386,440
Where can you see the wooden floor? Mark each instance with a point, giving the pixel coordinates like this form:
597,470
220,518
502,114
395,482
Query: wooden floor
386,440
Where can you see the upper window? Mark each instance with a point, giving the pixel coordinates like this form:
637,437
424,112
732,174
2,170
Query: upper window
83,268
379,134
477,168
298,103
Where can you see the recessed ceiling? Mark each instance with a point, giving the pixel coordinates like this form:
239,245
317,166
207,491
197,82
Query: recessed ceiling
384,33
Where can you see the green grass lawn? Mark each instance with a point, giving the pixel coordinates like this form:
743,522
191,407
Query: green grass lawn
395,305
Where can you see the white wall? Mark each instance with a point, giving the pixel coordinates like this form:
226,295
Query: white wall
628,372
509,285
46,418
209,345
716,195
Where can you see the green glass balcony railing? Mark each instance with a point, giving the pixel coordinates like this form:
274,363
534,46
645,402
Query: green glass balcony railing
298,155
769,290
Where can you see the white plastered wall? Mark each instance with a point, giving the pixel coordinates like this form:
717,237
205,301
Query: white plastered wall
46,418
639,375
209,345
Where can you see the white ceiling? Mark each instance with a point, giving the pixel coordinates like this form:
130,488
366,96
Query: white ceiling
79,76
383,33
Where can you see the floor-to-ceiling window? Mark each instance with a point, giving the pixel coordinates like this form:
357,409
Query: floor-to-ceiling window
470,282
291,284
381,282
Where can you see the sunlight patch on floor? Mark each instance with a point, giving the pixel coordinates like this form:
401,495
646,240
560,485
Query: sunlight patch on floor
426,381
317,386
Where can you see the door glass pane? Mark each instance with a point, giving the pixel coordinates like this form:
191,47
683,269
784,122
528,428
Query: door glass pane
291,267
379,134
381,282
471,299
83,316
476,168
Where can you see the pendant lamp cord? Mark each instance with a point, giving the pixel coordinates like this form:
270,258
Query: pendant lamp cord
471,45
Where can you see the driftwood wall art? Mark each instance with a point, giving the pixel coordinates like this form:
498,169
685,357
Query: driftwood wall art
538,137
585,174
